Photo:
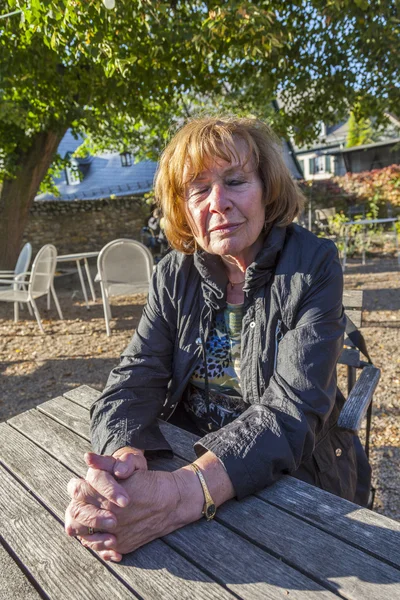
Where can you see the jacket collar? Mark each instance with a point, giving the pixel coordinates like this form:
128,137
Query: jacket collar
214,277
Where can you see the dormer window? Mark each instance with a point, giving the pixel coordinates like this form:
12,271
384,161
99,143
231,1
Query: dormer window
322,129
72,175
72,172
126,159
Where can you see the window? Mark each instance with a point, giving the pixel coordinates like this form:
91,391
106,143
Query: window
320,164
328,164
126,159
301,163
72,174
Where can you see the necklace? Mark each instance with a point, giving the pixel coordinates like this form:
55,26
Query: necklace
233,283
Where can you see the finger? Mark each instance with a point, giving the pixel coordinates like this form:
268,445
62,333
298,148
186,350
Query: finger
127,463
81,491
80,516
97,461
110,555
107,486
99,541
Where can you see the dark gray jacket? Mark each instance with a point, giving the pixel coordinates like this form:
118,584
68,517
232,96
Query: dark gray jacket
292,336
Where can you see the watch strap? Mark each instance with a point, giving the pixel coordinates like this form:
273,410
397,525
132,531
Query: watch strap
209,508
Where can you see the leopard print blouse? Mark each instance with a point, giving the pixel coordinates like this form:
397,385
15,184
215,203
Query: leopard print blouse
223,369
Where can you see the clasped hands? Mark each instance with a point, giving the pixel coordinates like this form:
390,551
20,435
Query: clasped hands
126,505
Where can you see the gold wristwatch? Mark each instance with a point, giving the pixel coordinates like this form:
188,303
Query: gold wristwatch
209,508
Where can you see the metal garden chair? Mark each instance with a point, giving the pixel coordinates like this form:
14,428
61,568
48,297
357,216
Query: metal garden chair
40,284
124,267
18,273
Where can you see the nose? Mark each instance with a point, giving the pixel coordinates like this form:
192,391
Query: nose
219,201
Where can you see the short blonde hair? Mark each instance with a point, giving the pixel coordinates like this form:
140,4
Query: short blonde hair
215,137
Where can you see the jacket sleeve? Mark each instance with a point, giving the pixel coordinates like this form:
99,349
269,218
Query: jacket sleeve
274,437
126,412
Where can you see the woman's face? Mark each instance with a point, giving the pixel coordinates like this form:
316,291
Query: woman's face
224,207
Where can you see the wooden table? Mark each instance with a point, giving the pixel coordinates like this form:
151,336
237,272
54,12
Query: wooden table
289,541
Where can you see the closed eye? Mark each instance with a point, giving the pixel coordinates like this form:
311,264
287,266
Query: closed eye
235,182
198,191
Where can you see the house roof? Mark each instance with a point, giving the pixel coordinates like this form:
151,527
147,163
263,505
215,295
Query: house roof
335,136
334,140
104,174
366,146
291,161
105,177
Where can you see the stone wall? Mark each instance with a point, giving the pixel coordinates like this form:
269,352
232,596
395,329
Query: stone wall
85,225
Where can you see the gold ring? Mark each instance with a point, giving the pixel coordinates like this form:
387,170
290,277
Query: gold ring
90,531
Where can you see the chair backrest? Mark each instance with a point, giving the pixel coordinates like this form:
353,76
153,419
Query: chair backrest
122,263
24,259
43,270
323,214
353,302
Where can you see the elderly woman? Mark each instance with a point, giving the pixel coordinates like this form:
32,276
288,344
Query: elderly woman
238,342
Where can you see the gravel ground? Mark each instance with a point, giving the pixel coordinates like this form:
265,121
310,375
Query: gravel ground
76,351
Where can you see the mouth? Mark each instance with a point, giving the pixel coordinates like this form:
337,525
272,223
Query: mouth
225,228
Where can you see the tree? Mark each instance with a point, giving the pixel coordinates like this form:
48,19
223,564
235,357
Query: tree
125,76
360,131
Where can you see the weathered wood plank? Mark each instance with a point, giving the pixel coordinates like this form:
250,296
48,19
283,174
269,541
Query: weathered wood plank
48,479
58,441
20,453
67,413
383,544
156,571
350,357
304,501
307,535
241,566
352,572
60,565
13,583
355,316
181,441
84,395
362,527
356,405
353,299
76,418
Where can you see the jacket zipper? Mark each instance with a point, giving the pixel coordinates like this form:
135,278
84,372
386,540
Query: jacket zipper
278,337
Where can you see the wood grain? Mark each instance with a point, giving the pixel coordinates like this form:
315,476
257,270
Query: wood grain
69,414
355,316
356,405
274,571
13,582
155,572
55,439
364,528
350,357
37,470
48,481
59,564
353,299
354,563
353,573
84,395
241,566
181,441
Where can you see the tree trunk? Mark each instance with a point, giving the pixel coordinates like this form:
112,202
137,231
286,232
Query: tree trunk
17,195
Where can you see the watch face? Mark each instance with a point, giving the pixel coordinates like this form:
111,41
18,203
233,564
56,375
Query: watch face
210,512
